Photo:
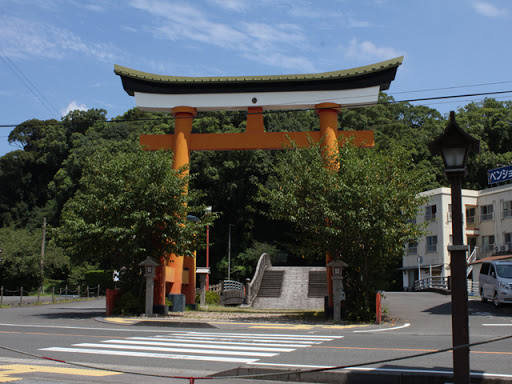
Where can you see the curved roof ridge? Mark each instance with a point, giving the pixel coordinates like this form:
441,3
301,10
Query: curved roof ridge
150,77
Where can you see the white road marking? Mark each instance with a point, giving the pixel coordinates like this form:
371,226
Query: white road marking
203,346
497,325
384,329
182,350
154,355
217,342
217,346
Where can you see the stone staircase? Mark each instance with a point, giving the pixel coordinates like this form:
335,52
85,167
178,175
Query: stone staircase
292,288
271,283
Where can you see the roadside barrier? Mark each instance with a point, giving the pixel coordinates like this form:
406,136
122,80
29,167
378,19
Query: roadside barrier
65,292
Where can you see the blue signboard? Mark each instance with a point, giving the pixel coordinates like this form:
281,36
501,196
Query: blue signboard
499,174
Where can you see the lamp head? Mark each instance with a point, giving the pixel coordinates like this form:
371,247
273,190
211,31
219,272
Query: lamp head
454,145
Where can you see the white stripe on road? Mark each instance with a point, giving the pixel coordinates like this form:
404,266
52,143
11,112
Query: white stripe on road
153,355
384,329
183,350
204,346
216,342
259,336
497,325
239,338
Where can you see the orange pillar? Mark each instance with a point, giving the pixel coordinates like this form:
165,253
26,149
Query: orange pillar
182,130
328,115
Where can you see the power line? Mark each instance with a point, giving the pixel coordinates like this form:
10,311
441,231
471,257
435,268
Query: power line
319,101
24,79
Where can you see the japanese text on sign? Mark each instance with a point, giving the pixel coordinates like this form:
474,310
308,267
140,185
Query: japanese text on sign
499,174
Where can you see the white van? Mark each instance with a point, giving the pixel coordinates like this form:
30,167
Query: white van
496,282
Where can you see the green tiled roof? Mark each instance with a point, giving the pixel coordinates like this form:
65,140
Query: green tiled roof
347,73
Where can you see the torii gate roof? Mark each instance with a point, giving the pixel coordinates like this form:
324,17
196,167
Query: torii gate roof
350,87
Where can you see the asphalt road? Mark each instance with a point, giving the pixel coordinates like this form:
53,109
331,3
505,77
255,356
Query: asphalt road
76,333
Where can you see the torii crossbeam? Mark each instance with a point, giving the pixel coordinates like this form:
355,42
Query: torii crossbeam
184,96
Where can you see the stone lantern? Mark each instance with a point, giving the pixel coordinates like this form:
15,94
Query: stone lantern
337,287
150,274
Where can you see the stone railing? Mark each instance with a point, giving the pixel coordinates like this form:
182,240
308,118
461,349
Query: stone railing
253,286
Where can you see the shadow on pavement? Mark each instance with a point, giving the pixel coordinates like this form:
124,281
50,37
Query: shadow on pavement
475,308
63,313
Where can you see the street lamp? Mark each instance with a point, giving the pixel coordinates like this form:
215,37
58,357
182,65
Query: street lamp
208,211
454,145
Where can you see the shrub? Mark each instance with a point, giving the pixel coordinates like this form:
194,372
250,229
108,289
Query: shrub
210,298
129,304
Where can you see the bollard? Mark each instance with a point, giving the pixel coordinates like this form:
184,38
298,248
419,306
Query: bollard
21,295
53,295
378,314
2,295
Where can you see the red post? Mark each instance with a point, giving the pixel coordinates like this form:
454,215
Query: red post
112,296
378,315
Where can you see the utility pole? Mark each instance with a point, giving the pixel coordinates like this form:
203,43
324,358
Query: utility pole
42,252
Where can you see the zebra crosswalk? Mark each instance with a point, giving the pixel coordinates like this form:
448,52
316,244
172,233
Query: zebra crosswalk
241,348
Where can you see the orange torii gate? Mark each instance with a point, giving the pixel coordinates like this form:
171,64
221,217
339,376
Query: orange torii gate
184,96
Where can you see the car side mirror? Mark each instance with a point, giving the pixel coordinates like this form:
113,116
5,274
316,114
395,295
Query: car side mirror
493,274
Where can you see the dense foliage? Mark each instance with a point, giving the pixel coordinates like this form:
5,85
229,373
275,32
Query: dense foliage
360,213
43,179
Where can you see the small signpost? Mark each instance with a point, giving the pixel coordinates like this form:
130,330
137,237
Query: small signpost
499,175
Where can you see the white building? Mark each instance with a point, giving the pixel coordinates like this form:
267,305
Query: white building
487,225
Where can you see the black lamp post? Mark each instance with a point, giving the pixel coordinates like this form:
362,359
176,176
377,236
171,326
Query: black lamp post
454,146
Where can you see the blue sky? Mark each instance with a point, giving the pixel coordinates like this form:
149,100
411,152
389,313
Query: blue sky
58,55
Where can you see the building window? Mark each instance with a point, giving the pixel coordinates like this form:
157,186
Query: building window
507,208
412,248
488,243
508,241
486,212
430,212
431,244
471,217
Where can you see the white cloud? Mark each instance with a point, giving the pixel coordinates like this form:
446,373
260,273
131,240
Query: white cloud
72,107
487,9
232,5
366,50
261,42
25,39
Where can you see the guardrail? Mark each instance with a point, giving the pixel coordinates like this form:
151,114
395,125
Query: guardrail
62,292
433,282
440,282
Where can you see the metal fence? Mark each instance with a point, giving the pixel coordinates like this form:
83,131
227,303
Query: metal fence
441,282
433,282
65,293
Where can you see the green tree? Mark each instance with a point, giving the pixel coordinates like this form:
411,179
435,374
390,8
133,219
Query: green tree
361,213
129,206
21,259
244,263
